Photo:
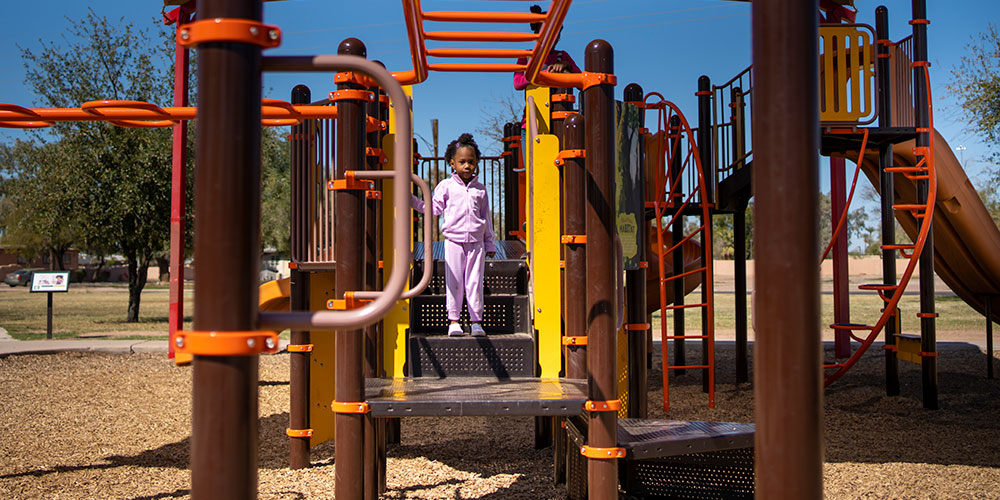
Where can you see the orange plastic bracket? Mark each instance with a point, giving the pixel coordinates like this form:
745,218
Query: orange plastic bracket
919,21
229,30
574,341
511,138
927,315
300,347
569,153
352,77
372,194
348,302
339,407
637,327
226,343
643,264
884,56
293,265
563,98
356,94
561,115
562,264
374,125
920,64
573,239
378,153
593,79
921,151
384,99
349,182
298,433
928,354
611,405
602,453
703,92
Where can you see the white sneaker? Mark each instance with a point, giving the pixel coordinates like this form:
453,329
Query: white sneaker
455,330
477,330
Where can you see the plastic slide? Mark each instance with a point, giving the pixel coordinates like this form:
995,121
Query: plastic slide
274,295
966,241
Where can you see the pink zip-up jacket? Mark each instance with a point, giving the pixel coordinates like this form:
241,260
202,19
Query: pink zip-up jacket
466,209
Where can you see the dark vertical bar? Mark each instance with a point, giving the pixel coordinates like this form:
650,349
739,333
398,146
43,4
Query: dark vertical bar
886,195
928,334
677,233
178,189
989,337
509,183
787,386
740,289
601,433
48,322
298,411
372,345
350,253
704,137
635,295
226,246
841,299
575,222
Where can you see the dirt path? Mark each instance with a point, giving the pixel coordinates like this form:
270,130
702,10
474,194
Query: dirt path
90,425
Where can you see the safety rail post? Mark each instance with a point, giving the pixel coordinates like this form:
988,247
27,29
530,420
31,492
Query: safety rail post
635,292
787,384
886,194
224,389
707,295
677,232
739,120
575,222
178,187
509,182
841,294
373,333
301,143
704,95
602,473
349,250
928,334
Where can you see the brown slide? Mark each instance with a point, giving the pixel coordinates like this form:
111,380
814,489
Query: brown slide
966,241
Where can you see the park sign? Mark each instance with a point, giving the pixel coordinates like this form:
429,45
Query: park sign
50,281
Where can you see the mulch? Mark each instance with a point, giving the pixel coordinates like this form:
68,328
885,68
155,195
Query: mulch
91,425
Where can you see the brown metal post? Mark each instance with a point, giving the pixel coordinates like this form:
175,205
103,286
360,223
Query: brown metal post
602,473
350,251
227,245
635,295
928,329
788,382
575,222
298,411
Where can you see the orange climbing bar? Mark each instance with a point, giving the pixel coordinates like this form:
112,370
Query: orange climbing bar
497,53
485,17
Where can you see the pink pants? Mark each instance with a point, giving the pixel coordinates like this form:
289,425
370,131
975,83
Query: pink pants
463,263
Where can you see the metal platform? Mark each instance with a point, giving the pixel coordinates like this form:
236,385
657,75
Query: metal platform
653,438
496,356
473,396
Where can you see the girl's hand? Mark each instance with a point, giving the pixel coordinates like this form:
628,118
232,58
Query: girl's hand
559,67
490,254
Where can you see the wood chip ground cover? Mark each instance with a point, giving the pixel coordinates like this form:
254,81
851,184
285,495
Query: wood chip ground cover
90,425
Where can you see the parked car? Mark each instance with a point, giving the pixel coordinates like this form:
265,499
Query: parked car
22,277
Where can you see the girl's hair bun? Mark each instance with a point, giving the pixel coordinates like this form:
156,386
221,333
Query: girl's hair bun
536,9
465,138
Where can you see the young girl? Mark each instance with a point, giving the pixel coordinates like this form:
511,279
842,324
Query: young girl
467,226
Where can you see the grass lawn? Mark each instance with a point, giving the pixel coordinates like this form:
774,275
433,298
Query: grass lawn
89,311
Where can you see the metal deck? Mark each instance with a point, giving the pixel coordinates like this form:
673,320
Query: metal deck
654,438
475,396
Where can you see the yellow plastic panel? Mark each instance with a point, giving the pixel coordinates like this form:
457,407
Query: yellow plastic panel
408,90
623,373
394,324
847,74
543,107
543,235
322,374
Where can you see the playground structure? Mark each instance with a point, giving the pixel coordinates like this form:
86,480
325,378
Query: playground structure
339,265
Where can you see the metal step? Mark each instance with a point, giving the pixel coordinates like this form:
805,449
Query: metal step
502,277
474,396
496,356
502,314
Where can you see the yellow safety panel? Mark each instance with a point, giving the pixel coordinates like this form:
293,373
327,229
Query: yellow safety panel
847,74
623,373
908,348
543,235
322,374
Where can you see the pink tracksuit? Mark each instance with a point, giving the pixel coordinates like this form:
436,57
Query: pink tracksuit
467,226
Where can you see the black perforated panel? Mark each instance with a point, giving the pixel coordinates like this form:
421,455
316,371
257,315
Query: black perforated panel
501,356
501,315
502,277
711,475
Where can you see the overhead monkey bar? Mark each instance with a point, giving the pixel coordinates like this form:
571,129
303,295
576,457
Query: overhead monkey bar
544,41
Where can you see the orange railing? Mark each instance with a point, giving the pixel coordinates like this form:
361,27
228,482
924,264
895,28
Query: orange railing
544,41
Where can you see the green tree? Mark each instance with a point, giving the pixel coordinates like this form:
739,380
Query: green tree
123,173
976,82
276,179
38,200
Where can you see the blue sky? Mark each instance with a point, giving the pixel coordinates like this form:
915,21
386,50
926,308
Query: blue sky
662,45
